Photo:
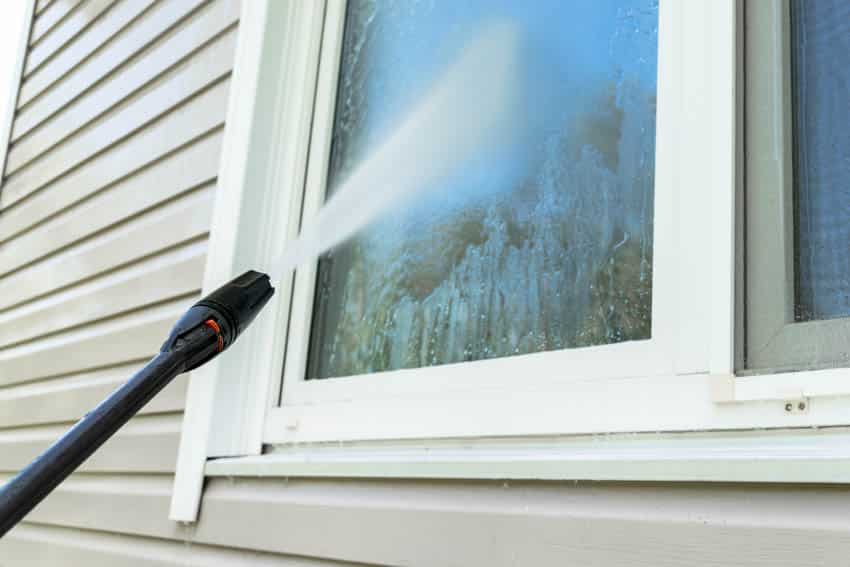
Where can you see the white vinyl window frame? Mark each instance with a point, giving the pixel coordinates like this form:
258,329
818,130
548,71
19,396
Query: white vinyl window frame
388,405
529,416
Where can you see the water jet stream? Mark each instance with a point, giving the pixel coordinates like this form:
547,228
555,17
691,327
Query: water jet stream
471,108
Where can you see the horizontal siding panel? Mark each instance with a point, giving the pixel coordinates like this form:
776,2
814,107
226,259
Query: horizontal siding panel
69,398
72,74
192,167
397,523
147,444
181,82
75,23
198,116
50,18
202,26
178,224
41,5
48,546
129,337
528,524
146,495
82,47
89,501
172,275
185,82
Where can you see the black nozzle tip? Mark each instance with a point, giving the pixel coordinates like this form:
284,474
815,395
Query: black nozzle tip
238,302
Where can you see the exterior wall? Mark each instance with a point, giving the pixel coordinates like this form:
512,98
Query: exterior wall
104,214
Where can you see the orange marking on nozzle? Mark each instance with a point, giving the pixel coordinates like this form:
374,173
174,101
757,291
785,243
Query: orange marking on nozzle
214,326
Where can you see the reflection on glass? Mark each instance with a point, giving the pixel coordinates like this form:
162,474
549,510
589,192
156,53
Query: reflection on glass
545,244
821,98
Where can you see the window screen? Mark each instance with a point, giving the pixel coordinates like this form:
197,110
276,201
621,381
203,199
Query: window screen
797,184
821,95
545,244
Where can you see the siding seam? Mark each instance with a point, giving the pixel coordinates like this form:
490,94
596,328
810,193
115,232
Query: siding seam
42,185
105,110
119,223
97,49
140,52
68,40
36,222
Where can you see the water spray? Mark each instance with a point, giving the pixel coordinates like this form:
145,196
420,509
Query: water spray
472,107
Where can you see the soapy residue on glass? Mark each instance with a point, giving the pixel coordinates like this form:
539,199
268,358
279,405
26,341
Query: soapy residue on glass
500,155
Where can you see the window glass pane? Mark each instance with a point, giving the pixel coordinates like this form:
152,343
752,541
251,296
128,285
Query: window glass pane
547,245
821,99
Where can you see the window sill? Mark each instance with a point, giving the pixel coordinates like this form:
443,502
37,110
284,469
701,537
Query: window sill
781,456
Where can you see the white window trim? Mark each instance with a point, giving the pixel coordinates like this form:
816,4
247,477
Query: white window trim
15,86
383,405
749,456
687,382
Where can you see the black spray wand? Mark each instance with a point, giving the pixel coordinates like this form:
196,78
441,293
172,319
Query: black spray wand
206,329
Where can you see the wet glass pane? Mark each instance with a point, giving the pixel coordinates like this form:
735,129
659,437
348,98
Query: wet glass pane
545,244
821,99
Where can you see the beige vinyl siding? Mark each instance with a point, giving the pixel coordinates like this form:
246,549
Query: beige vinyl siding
50,18
60,546
492,524
76,21
75,547
41,5
34,403
86,46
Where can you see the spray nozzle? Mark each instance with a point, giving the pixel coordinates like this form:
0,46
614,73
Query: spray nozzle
228,311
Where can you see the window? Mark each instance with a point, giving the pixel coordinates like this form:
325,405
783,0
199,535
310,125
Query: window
538,252
622,195
798,185
543,242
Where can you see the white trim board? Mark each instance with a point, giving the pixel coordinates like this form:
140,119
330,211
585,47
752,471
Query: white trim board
672,403
189,477
17,76
777,456
268,39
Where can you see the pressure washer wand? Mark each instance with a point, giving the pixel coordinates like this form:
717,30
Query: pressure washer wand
206,329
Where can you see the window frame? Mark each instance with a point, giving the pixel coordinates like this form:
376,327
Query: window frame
520,429
776,341
391,399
